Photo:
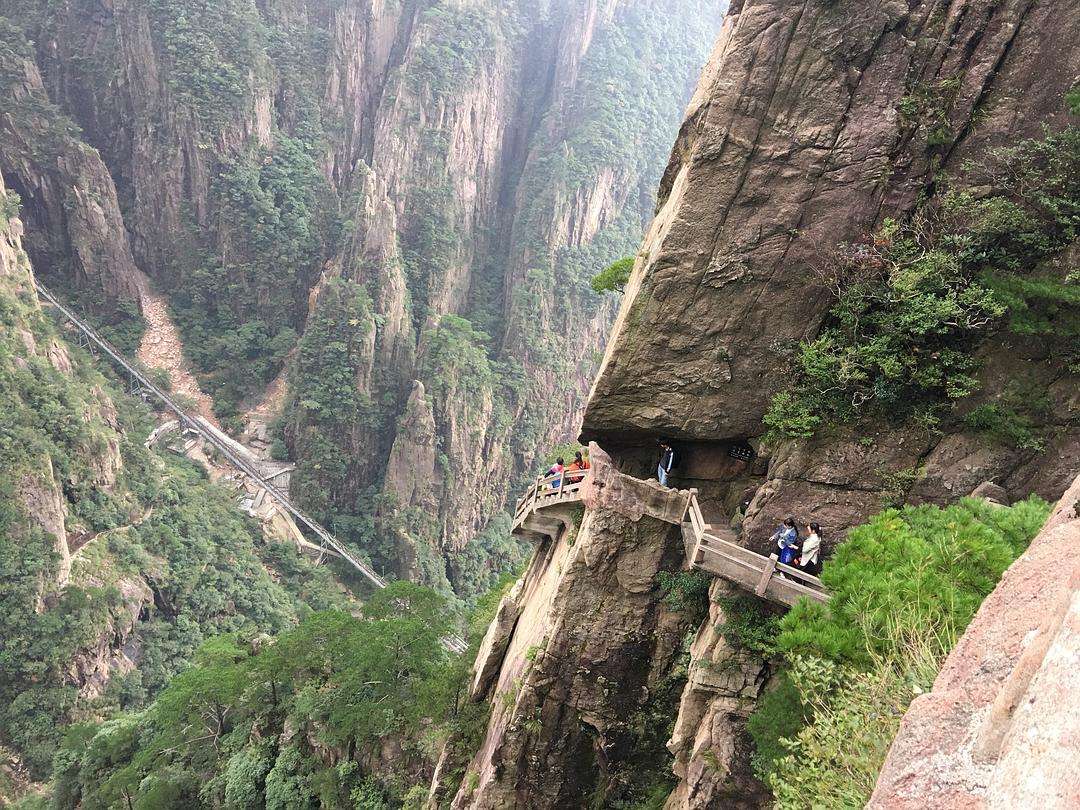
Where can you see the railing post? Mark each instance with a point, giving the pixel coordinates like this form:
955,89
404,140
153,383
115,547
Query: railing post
699,550
766,575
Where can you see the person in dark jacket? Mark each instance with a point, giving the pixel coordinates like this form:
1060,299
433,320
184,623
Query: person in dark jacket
787,540
667,461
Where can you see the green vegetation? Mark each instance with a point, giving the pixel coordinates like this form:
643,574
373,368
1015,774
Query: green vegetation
295,721
478,567
214,736
455,360
212,48
927,106
1072,100
904,586
330,360
454,43
166,560
686,592
748,624
914,303
614,277
10,204
239,291
1006,423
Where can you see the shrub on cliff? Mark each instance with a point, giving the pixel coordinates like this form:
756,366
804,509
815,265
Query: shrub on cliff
914,301
904,586
614,277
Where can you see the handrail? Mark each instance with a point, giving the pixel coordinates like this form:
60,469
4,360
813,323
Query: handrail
199,426
549,489
766,567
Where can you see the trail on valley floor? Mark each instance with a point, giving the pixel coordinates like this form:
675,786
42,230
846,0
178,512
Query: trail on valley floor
162,347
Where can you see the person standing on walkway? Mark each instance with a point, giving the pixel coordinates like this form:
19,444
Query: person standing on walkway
787,540
810,557
556,468
667,461
577,468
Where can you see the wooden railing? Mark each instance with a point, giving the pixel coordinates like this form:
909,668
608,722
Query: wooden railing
765,576
548,490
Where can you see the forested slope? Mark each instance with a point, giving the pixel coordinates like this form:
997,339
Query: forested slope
343,199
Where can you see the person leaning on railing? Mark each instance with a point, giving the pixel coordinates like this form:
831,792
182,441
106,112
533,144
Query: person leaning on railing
556,469
576,471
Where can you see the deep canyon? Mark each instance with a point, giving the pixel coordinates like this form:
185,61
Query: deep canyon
358,237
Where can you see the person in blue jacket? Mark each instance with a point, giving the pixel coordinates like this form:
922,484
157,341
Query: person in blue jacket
786,537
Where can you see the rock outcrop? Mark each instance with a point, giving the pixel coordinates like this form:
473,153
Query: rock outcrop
581,647
999,728
709,741
69,202
795,141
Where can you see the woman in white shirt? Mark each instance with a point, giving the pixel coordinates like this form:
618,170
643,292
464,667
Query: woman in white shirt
810,559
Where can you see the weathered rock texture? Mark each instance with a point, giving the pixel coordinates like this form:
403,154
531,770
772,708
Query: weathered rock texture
579,649
1001,726
709,741
792,144
69,201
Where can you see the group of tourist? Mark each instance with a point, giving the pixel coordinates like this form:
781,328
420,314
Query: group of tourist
799,551
795,550
574,472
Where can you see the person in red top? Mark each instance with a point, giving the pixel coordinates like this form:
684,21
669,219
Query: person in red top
578,466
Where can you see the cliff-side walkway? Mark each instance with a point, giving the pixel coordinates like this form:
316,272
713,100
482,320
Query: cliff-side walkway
552,502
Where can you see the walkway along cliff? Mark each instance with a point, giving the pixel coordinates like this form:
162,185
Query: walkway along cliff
549,507
813,125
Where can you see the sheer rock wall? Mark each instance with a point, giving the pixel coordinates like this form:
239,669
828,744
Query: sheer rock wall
793,143
455,139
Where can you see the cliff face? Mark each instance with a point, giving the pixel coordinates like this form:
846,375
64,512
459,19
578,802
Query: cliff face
810,128
801,137
70,204
479,160
578,664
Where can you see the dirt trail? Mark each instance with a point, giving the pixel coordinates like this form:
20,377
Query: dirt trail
272,401
162,347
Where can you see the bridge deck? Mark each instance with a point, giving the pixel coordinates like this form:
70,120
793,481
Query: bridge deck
550,503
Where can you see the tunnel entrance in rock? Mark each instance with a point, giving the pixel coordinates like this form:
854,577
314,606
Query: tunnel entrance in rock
726,473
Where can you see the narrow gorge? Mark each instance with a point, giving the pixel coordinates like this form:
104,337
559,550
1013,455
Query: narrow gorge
816,260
